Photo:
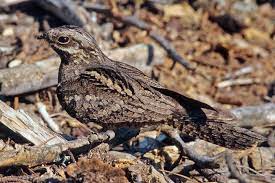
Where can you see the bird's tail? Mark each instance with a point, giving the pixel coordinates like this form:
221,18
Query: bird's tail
211,124
220,132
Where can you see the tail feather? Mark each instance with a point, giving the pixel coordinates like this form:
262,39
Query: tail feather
221,133
211,124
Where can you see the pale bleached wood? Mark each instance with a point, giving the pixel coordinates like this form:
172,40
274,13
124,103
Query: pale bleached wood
21,123
47,118
29,77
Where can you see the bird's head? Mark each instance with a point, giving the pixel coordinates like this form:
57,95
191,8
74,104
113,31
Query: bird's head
71,41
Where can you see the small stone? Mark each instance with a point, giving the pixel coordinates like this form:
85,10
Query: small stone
8,32
15,63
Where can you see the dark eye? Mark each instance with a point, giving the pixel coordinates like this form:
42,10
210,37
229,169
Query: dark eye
63,39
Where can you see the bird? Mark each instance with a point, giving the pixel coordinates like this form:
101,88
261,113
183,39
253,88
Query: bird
94,88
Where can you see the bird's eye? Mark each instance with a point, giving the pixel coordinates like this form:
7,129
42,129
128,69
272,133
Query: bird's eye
63,40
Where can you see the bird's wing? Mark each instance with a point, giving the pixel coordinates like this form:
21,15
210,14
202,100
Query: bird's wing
123,96
187,102
141,77
125,75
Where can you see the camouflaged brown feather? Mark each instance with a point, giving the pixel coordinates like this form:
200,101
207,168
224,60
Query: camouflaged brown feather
93,87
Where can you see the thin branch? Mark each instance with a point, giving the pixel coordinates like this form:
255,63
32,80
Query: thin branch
233,169
46,117
32,156
234,82
66,10
200,160
134,21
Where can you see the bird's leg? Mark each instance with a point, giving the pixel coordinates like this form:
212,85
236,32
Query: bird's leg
125,134
200,160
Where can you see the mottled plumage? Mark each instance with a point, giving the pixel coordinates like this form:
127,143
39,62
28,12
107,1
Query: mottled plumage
93,87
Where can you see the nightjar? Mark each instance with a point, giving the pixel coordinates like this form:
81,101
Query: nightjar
94,88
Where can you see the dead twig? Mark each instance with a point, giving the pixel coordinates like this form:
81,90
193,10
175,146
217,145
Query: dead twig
200,160
207,166
242,71
31,156
234,82
46,117
134,21
49,145
233,169
66,10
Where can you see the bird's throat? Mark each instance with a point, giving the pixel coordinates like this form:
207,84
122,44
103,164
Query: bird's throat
69,71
